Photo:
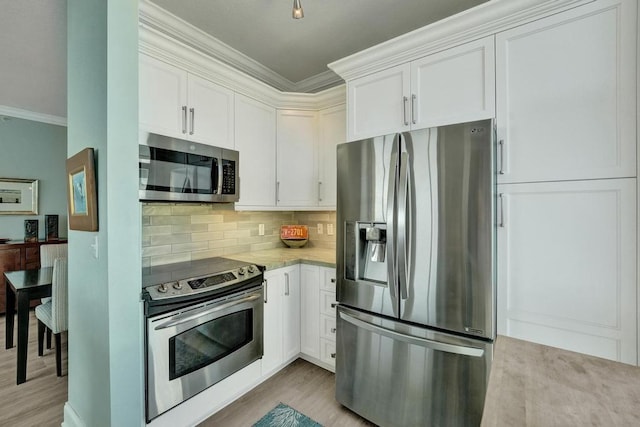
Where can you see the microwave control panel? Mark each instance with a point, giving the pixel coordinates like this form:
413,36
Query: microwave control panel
228,177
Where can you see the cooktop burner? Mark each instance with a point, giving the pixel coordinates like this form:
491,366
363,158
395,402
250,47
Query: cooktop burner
194,278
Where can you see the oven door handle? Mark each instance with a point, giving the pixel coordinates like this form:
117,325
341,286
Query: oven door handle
181,318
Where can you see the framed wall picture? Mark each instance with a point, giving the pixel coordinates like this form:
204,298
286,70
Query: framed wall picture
81,191
18,196
30,230
51,227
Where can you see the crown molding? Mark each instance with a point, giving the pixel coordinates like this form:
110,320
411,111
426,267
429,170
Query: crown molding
18,113
481,21
154,17
167,49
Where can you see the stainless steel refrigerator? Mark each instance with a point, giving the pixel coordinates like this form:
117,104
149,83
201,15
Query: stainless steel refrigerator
415,270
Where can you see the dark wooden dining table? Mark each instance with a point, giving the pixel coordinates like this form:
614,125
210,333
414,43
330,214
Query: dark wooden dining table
24,286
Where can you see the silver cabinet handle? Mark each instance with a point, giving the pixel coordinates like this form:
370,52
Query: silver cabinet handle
333,355
333,280
193,119
501,146
413,340
286,284
333,330
413,109
334,304
319,191
501,196
184,119
265,290
405,101
278,191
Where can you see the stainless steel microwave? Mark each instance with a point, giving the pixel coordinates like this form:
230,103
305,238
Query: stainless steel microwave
176,170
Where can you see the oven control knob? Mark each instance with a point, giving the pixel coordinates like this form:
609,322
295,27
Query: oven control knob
177,285
162,288
251,269
241,271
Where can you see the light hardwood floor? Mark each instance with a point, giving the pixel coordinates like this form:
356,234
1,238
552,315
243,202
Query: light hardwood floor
40,400
301,385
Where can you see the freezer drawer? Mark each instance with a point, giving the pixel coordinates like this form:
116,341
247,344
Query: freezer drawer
395,374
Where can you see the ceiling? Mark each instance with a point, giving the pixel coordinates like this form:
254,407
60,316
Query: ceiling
291,55
298,50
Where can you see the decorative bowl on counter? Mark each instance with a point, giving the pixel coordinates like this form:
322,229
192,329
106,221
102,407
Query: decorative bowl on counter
294,236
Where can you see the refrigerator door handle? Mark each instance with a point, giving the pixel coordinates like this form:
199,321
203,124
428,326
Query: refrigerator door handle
391,219
404,226
410,339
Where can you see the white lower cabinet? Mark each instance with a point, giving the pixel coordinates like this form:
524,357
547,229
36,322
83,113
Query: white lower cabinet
281,318
567,265
318,316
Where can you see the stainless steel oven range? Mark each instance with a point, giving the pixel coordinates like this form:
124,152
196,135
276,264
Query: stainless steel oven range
204,321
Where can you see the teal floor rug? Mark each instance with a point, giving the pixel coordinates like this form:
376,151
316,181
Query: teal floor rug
285,416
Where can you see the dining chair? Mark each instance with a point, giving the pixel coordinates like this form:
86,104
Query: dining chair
53,314
48,253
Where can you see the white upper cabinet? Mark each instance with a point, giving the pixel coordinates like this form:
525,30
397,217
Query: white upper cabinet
211,113
378,103
566,94
448,87
332,131
454,86
567,265
255,140
162,94
176,103
297,176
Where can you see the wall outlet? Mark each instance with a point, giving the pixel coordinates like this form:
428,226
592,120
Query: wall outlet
320,229
330,229
260,229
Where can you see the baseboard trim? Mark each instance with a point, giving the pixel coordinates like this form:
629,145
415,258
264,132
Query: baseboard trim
71,417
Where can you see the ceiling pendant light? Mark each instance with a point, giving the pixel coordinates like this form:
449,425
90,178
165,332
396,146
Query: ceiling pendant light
297,12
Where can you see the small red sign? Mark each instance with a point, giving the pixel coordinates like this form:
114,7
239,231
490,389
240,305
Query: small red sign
294,232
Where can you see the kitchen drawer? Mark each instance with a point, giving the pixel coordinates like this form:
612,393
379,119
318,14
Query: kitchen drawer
328,327
328,303
328,279
328,352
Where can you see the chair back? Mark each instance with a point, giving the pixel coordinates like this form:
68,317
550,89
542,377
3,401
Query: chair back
59,296
50,252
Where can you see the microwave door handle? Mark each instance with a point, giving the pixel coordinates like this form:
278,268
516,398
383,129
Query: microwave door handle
181,318
214,175
220,167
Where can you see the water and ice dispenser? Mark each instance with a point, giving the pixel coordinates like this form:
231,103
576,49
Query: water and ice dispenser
365,251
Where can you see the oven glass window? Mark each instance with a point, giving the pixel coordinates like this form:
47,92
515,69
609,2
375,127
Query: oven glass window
177,172
209,342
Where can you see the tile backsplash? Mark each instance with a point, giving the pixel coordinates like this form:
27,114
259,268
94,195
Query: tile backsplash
183,232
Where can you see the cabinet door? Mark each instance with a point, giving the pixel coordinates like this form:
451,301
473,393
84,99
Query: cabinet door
454,86
273,354
210,113
378,104
566,95
291,313
567,265
255,140
332,126
162,92
297,184
310,310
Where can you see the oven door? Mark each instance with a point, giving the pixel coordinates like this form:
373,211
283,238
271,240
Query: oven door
193,348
